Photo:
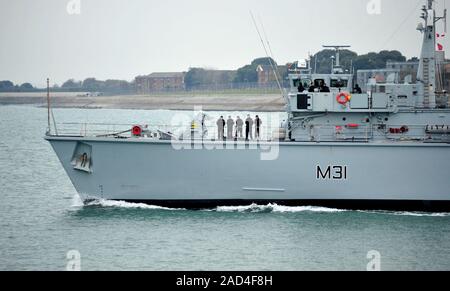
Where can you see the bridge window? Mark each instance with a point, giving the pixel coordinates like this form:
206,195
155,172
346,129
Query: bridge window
305,82
336,83
318,82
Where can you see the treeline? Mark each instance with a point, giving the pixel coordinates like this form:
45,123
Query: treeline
71,85
244,76
94,85
8,86
198,77
321,62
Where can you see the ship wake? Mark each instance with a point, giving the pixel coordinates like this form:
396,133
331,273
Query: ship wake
123,204
127,205
408,213
275,208
253,208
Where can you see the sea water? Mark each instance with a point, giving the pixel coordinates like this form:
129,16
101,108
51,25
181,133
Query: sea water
43,223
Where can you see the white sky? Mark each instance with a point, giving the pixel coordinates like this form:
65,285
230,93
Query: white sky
120,39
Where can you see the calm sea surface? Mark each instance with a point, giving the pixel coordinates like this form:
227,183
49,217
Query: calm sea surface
42,219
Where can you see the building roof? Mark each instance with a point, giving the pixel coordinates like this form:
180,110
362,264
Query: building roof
166,75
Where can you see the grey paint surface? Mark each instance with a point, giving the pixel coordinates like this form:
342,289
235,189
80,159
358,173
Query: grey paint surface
154,170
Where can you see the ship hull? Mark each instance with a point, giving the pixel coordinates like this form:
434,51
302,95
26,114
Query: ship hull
394,176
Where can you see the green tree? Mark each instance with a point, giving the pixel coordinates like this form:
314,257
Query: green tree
6,85
26,86
321,62
374,60
248,74
91,84
116,86
194,78
71,84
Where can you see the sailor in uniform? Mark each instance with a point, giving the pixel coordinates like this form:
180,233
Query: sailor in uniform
230,125
248,128
220,128
239,127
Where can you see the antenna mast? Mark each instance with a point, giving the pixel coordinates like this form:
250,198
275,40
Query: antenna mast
336,68
428,61
48,104
269,57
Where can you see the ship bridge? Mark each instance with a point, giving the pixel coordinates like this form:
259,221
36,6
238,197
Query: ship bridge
330,107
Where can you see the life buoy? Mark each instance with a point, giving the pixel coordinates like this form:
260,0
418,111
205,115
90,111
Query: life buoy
343,98
136,130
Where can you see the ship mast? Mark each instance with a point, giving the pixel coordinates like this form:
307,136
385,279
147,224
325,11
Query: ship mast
427,66
336,67
48,105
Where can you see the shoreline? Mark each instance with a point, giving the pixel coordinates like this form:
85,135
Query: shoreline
241,102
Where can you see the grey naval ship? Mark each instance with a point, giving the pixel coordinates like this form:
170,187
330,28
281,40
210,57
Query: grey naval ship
387,148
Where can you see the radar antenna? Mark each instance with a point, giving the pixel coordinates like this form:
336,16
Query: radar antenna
336,67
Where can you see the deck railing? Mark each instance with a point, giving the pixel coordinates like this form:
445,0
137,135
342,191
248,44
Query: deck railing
210,132
315,133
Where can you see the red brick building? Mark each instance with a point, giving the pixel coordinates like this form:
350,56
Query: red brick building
159,82
266,74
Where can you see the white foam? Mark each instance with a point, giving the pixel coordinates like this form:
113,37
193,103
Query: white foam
275,208
253,208
77,202
409,213
123,204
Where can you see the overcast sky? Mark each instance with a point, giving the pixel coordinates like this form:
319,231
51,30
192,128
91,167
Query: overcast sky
121,39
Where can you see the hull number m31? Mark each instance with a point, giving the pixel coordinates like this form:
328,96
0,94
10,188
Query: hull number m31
331,173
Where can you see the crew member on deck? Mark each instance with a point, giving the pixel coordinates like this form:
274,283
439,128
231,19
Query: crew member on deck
258,124
248,128
357,89
300,87
323,87
239,127
230,125
220,128
312,88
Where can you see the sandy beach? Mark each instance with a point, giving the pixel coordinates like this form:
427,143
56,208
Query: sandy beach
232,102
